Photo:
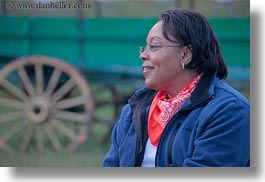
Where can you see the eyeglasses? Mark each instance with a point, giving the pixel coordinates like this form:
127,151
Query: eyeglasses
151,48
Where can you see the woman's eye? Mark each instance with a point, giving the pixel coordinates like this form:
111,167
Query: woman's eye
154,47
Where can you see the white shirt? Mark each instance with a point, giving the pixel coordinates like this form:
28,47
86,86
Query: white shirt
149,155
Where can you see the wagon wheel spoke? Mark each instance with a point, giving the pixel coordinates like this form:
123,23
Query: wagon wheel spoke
63,90
14,90
39,139
26,81
71,116
53,81
54,140
11,116
39,79
12,131
110,95
64,129
11,103
27,137
72,102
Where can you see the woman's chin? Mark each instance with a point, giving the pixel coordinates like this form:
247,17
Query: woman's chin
151,84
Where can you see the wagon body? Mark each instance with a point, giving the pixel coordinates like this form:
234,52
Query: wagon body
110,45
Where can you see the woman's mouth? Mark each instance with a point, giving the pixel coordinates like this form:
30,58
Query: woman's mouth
147,69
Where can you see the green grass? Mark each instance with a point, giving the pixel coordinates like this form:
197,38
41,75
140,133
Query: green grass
89,155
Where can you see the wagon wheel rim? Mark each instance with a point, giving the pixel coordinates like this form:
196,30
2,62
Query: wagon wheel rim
40,108
108,99
105,98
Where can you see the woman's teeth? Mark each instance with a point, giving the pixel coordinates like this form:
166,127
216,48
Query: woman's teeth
147,68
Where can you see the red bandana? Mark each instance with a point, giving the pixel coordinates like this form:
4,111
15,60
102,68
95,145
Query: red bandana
163,109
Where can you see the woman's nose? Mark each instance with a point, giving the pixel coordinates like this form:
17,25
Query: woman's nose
143,56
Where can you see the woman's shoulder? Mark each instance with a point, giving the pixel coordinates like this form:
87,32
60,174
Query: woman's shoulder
224,91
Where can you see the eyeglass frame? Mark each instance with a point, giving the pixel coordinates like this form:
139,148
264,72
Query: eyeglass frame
146,49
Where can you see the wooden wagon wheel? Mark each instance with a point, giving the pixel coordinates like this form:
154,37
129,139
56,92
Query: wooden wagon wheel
109,100
45,103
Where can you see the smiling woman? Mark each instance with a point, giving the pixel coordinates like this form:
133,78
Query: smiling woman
185,115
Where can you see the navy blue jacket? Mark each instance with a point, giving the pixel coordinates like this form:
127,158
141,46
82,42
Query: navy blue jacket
211,129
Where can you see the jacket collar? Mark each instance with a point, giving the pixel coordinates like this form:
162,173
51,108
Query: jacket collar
204,90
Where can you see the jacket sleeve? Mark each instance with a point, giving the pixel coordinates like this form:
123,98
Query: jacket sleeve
222,137
112,158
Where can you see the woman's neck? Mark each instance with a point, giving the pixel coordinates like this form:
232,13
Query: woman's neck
175,89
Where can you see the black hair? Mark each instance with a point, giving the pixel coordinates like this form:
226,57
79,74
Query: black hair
193,29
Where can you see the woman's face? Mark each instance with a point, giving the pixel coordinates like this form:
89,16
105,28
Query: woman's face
161,66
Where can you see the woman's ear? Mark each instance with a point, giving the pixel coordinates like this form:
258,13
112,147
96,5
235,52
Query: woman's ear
187,57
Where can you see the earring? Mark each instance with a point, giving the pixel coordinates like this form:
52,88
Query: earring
182,65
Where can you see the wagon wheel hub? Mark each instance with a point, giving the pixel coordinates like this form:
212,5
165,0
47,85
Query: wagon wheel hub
38,109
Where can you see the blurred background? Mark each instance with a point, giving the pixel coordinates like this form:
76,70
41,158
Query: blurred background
67,68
